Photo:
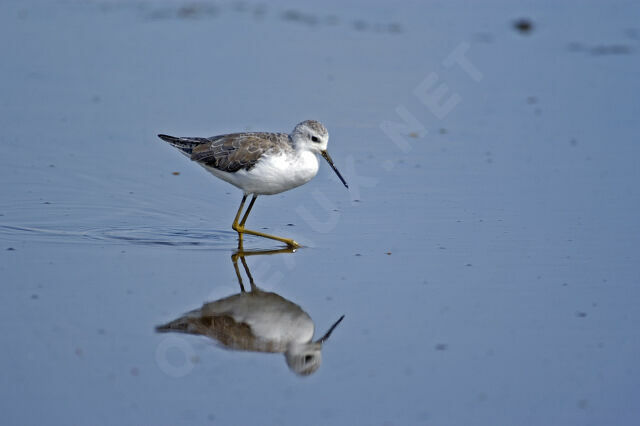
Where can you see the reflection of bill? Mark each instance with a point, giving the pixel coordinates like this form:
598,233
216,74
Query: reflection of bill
257,321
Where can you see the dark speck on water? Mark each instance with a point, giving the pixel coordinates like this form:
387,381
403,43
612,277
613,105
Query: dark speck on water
523,25
360,25
581,314
297,16
613,49
395,27
441,347
11,249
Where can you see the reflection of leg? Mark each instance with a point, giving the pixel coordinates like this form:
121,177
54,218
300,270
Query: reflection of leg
236,227
241,230
241,254
246,269
234,259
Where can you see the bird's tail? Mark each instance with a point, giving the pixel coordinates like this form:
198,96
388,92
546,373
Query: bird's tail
183,324
185,145
178,325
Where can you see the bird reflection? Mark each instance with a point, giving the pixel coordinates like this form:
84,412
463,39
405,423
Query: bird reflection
257,321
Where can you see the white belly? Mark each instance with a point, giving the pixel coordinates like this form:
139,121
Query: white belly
274,174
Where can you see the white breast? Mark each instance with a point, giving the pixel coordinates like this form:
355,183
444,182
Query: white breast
273,174
271,317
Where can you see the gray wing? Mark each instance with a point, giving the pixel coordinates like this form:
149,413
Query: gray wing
236,151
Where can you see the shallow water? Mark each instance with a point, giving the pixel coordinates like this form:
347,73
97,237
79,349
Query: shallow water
485,257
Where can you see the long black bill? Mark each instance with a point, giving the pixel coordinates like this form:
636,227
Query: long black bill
328,333
325,154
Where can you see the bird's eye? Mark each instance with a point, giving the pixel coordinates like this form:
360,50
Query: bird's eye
308,358
315,139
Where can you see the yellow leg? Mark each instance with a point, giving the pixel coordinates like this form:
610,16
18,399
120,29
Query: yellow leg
246,214
240,229
235,221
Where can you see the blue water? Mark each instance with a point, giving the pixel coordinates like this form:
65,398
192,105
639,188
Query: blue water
485,257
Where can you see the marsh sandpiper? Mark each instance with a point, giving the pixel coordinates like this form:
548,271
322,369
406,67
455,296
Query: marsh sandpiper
260,163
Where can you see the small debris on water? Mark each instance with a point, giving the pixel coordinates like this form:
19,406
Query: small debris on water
613,49
523,25
176,173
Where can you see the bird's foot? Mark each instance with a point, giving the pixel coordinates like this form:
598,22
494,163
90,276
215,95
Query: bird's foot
241,230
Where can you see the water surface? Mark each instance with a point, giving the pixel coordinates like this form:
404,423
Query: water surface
485,258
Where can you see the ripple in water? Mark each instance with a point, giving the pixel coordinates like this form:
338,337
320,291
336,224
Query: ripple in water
146,236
